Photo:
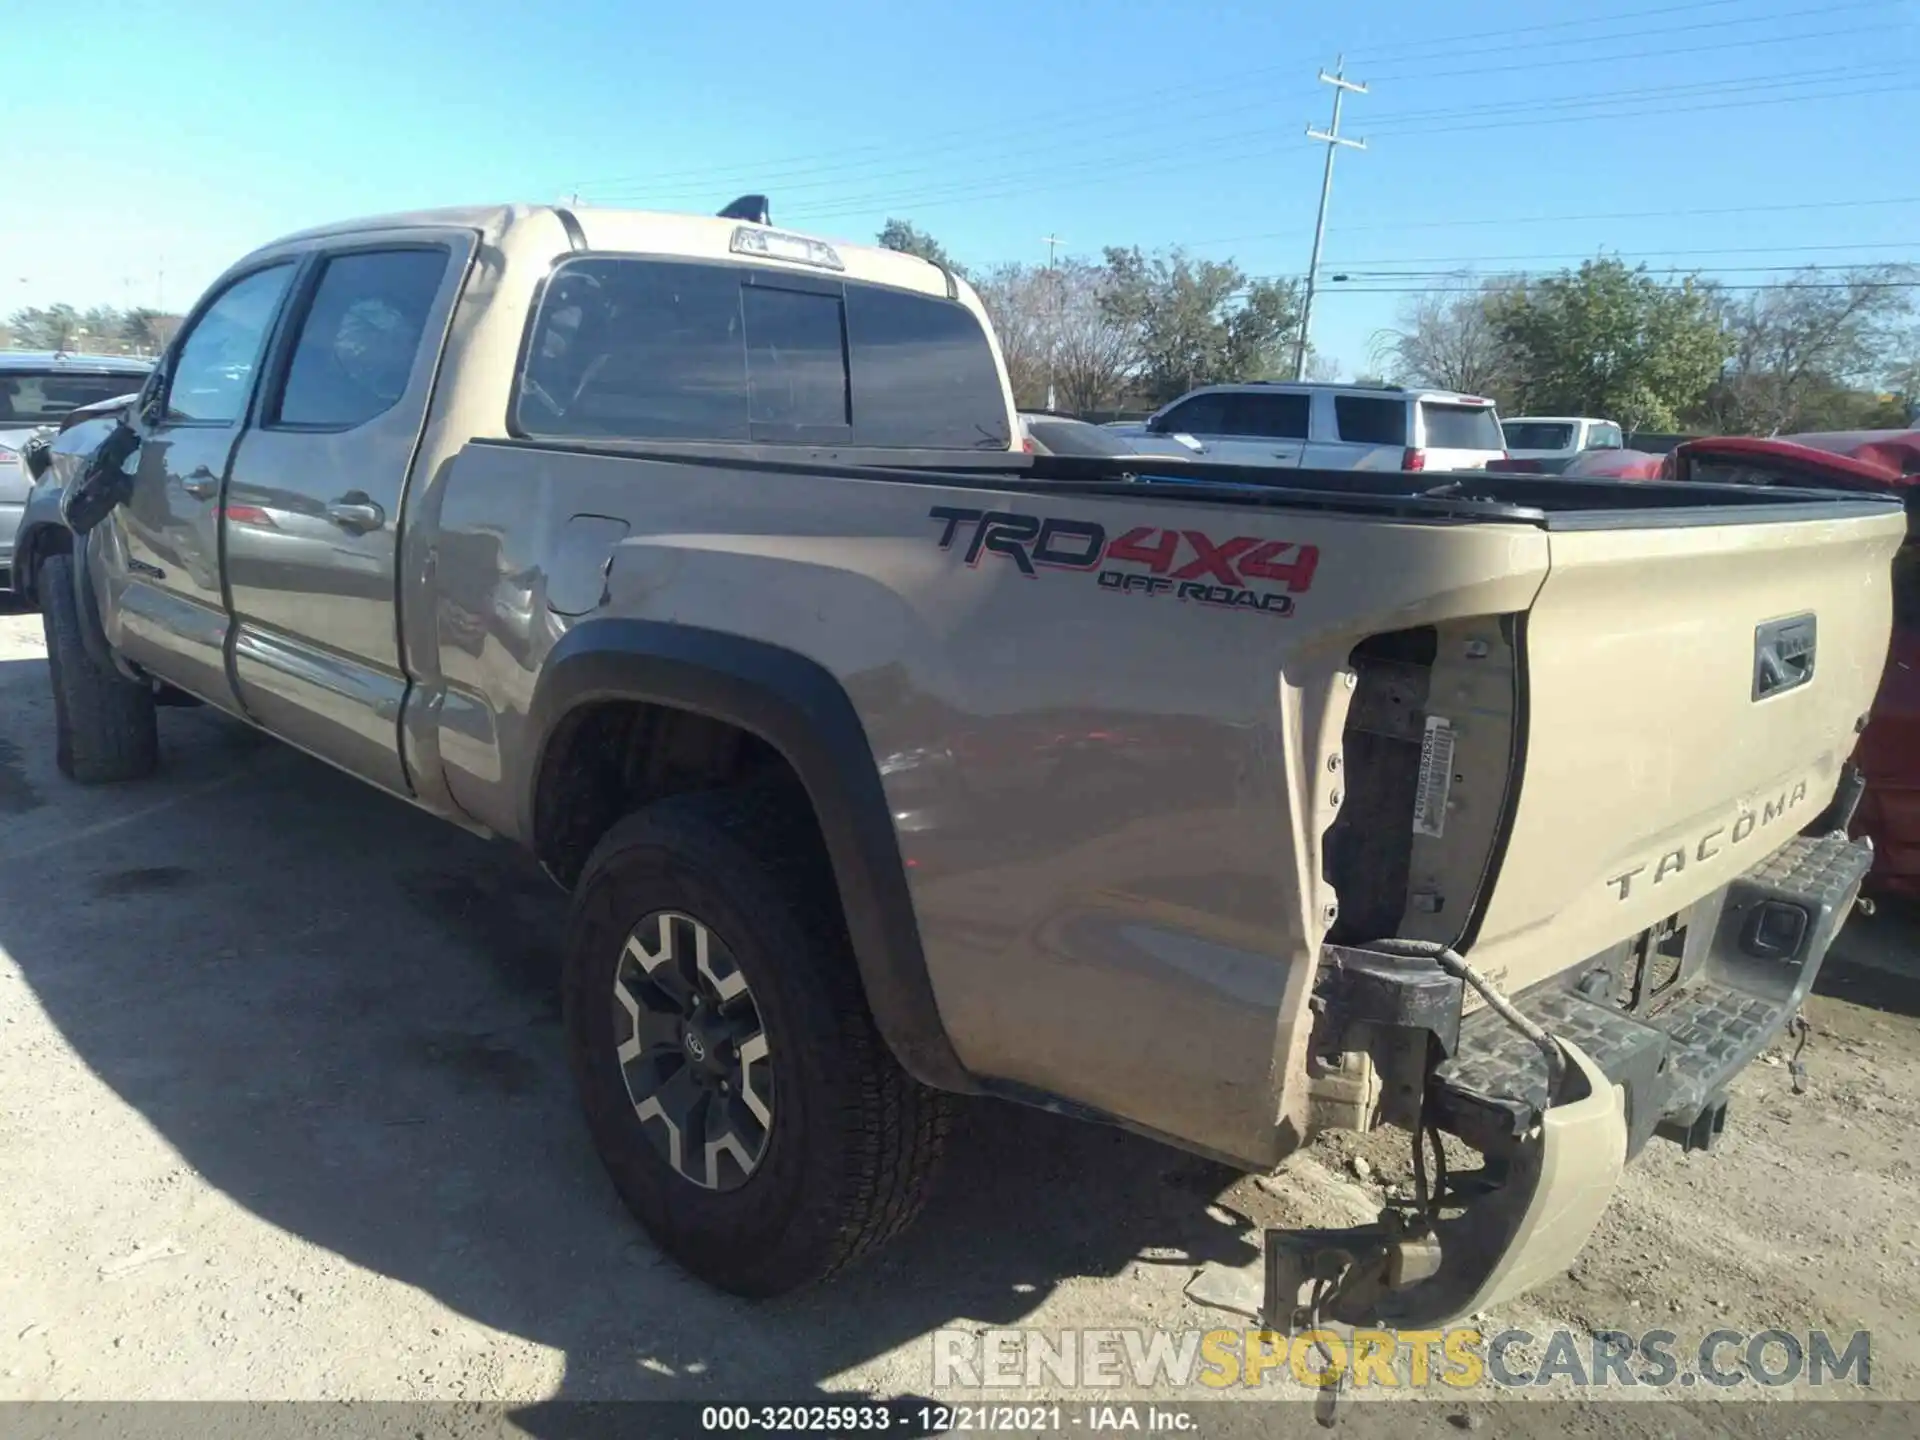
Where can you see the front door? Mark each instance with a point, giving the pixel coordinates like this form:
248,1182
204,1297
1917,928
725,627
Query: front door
160,553
313,508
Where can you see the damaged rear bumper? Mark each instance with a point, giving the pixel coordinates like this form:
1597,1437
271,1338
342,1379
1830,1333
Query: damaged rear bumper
1651,1034
1731,971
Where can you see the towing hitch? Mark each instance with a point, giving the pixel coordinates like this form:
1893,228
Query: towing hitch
1485,1236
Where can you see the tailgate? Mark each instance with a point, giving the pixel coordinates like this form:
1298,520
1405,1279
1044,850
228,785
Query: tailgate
1657,766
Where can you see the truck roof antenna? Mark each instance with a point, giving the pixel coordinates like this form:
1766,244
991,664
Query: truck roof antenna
748,207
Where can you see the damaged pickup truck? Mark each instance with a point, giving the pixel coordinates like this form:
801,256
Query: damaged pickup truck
884,762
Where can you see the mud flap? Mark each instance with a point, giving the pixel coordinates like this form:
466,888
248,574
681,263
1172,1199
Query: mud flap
1489,1241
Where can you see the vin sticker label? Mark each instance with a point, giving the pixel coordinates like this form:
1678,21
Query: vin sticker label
1436,777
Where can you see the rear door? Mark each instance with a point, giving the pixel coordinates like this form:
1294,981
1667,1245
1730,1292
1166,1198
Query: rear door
1458,435
1362,432
313,507
160,555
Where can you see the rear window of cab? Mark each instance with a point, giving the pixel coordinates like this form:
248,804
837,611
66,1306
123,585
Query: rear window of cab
642,348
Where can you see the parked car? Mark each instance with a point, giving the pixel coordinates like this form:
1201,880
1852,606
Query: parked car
1612,465
1879,462
37,390
1546,444
1051,434
883,760
1326,427
1046,433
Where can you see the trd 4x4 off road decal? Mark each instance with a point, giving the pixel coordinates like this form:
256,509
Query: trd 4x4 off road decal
1147,560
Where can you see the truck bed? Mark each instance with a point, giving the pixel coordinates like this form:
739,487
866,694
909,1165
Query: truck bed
1470,495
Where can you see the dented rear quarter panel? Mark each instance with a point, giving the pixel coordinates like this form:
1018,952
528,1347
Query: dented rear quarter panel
1108,805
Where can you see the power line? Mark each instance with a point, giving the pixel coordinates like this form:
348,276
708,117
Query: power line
1663,214
1692,89
1151,103
1347,272
1183,157
1502,34
1842,93
1722,24
1628,254
1716,46
1004,183
1390,119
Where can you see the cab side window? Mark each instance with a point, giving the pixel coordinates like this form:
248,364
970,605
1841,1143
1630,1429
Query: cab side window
360,338
213,372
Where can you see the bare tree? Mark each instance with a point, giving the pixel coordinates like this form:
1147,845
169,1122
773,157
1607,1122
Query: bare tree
1447,339
1803,349
1018,300
1324,369
1093,355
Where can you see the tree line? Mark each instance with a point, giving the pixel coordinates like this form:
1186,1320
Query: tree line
1128,331
1819,350
99,330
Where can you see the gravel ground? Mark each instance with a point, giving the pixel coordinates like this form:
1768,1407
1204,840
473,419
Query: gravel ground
283,1116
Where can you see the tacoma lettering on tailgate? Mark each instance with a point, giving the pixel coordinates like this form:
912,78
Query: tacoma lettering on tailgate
1147,560
1676,860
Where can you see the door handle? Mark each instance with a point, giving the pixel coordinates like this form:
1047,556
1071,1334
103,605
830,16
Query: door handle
201,484
356,514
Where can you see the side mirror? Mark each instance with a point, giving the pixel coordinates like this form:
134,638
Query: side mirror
36,456
1156,424
103,481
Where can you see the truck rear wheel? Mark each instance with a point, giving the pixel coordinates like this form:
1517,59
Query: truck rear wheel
104,725
738,1092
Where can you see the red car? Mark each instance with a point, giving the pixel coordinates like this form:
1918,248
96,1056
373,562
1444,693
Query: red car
1883,460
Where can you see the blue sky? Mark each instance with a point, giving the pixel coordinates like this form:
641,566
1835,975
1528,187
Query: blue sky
154,143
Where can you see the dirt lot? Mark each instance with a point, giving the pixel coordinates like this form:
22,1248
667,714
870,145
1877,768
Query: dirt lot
283,1115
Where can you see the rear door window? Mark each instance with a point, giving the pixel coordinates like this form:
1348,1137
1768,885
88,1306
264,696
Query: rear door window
1371,419
1460,427
625,348
360,338
1269,417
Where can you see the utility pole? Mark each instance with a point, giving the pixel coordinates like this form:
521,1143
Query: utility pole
1053,294
1333,139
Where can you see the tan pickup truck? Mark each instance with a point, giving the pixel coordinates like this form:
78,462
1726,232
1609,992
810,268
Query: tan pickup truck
886,762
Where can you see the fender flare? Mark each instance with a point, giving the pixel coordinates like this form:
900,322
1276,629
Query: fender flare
800,709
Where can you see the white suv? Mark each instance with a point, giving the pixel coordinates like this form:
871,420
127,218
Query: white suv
1327,427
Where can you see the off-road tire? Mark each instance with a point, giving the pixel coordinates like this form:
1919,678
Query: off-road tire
104,724
854,1141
